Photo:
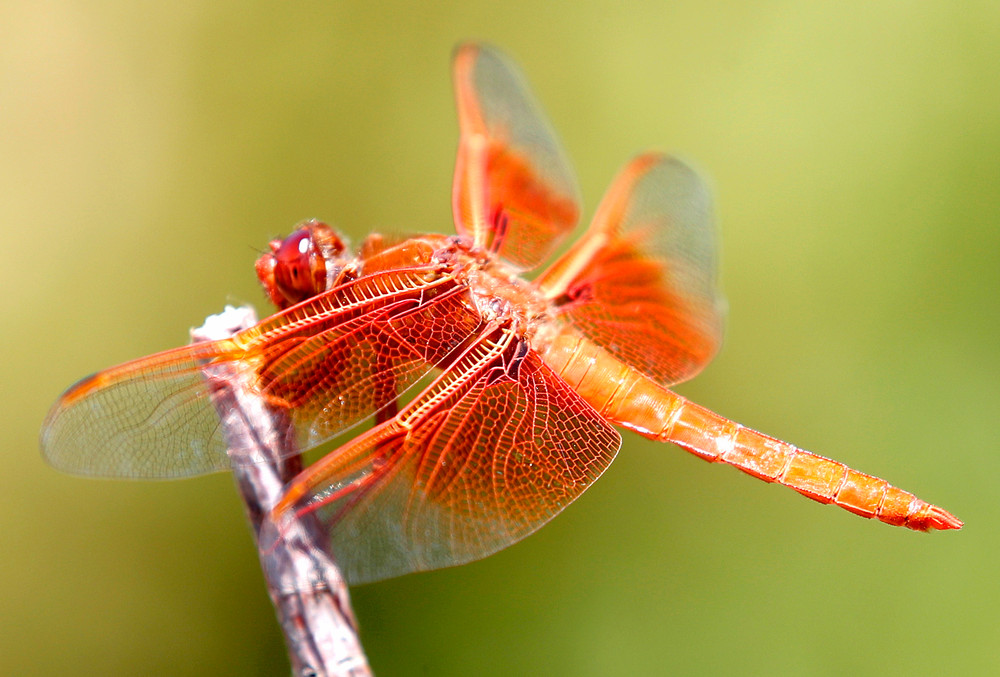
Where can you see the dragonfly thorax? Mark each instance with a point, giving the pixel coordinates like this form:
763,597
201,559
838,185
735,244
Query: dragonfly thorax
501,296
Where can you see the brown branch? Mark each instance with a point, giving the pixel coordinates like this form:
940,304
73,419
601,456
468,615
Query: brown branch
309,594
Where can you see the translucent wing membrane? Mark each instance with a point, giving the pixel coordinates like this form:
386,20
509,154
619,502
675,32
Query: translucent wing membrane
148,418
331,377
642,281
328,363
514,191
490,452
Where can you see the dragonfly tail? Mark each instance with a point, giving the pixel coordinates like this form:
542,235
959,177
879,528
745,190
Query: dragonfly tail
719,440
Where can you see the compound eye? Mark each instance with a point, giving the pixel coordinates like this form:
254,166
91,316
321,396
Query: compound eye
302,265
299,270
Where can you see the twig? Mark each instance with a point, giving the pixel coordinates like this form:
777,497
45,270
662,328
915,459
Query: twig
309,594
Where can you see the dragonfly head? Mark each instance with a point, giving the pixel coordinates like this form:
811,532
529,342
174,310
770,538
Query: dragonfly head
302,265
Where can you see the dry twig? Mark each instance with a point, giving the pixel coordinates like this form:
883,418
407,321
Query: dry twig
309,594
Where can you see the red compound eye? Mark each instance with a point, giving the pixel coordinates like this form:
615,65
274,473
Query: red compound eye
297,267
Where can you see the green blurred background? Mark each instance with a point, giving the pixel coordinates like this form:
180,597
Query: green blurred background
149,150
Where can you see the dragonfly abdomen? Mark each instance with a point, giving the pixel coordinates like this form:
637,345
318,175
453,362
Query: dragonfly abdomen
719,440
627,397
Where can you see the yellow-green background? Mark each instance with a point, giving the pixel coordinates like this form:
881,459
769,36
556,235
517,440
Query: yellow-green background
149,150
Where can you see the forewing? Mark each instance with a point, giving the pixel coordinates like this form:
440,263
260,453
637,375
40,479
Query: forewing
151,418
330,379
314,364
642,281
480,460
514,192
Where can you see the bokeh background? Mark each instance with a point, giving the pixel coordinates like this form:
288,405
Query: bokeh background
148,151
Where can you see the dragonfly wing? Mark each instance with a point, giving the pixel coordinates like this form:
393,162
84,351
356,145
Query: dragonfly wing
320,366
490,452
514,191
152,418
642,282
330,379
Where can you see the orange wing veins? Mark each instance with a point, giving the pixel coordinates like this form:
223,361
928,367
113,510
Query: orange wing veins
514,191
487,454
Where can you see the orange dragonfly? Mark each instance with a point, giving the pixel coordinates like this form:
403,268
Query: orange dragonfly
531,377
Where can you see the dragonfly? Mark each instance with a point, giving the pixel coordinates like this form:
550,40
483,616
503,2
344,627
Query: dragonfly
514,387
